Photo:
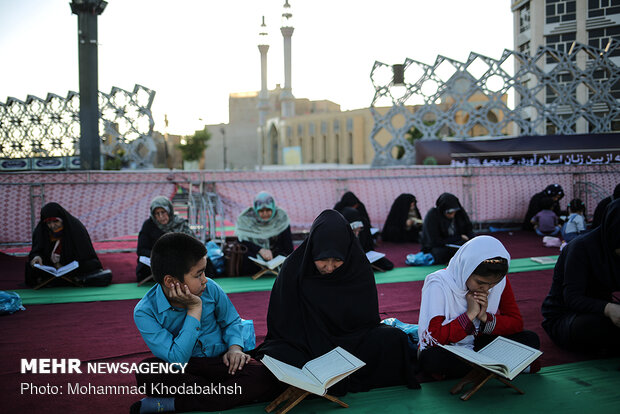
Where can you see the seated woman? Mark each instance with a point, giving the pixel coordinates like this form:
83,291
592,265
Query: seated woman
355,221
59,239
325,296
580,312
469,303
265,230
556,192
162,221
350,200
404,222
447,223
599,211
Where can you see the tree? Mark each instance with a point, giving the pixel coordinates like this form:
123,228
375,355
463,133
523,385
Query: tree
195,145
412,135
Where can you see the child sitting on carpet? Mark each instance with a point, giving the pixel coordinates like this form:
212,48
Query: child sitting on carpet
469,303
545,222
187,318
576,222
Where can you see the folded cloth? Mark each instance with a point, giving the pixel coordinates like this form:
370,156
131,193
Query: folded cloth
550,241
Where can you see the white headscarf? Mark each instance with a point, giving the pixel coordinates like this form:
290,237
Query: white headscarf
451,281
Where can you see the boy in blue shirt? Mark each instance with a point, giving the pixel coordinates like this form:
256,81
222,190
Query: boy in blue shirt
187,318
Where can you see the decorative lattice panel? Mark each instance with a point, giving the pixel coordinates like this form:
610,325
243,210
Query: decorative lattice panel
554,91
50,127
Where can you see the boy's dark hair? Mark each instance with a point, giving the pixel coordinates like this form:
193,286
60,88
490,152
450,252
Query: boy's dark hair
576,205
174,254
497,266
546,203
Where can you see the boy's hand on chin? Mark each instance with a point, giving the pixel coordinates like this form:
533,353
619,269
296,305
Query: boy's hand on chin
182,295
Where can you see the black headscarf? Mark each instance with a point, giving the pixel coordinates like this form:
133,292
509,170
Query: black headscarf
394,229
75,241
587,271
435,228
310,314
350,200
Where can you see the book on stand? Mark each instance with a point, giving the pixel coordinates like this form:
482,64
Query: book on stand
61,270
271,264
544,259
317,375
373,256
502,356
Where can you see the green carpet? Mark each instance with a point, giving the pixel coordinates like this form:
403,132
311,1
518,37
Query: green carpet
570,388
123,291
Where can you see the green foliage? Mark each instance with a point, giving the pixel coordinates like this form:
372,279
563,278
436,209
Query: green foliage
116,161
412,135
195,145
430,160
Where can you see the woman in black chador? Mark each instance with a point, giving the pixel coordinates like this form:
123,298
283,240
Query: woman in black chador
325,296
581,312
59,239
553,191
599,211
404,222
446,224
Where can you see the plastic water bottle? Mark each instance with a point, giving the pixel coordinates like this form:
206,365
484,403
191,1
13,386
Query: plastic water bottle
215,255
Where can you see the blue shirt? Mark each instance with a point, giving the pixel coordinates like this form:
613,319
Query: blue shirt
174,336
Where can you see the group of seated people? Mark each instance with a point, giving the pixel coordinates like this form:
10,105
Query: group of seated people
325,296
545,216
264,231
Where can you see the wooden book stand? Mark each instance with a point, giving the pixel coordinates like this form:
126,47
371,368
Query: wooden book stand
52,277
376,268
293,396
478,377
146,279
264,269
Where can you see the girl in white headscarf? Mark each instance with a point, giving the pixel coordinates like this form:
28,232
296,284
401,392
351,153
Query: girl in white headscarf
468,304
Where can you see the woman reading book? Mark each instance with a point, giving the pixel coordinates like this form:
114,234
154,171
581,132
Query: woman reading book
59,239
445,226
469,303
580,312
325,296
265,230
162,220
404,221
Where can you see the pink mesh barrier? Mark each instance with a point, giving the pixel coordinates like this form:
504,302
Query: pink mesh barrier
114,204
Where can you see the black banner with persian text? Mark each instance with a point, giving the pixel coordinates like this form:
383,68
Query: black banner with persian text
584,149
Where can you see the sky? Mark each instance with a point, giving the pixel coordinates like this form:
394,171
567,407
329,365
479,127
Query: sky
194,53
